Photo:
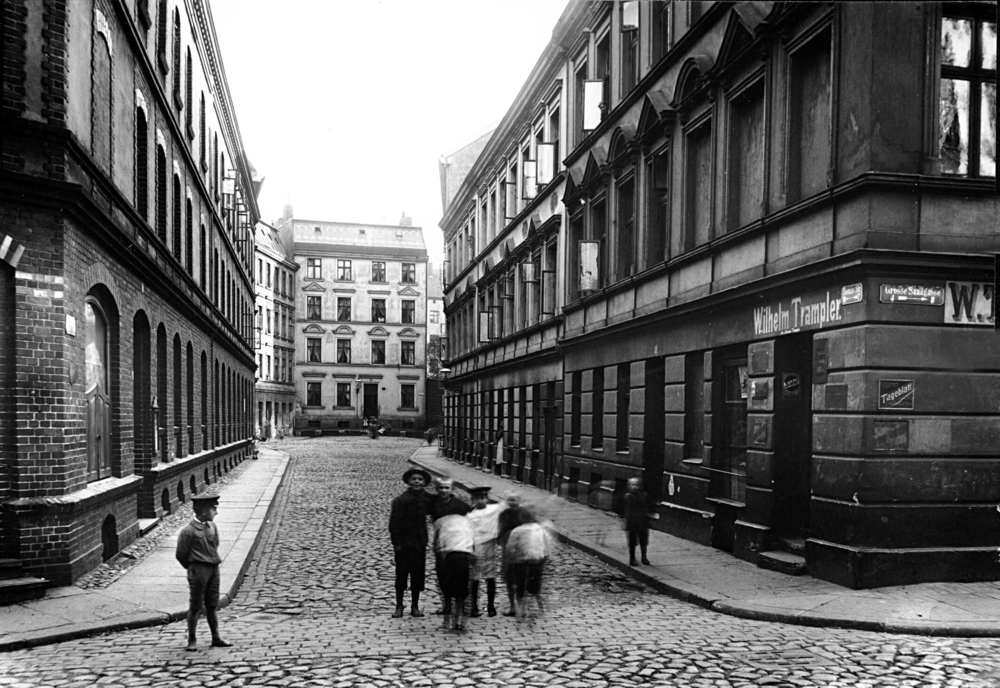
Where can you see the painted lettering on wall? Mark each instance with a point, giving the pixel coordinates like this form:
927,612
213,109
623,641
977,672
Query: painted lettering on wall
969,303
801,312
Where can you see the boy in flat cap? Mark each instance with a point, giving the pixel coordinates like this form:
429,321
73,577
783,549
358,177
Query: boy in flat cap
408,532
198,552
485,518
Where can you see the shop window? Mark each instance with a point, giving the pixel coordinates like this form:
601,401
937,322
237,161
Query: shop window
967,118
746,156
809,125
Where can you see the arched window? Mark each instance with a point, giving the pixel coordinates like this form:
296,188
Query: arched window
176,53
141,164
141,390
161,194
188,240
98,392
190,398
177,217
160,410
178,391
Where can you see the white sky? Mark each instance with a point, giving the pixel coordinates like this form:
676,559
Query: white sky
346,107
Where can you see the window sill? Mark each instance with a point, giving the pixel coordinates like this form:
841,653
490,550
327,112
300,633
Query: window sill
413,409
315,407
726,502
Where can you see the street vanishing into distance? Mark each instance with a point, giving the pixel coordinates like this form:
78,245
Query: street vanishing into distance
315,610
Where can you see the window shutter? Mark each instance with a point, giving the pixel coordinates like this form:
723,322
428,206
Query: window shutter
530,179
549,292
593,98
484,327
590,253
546,163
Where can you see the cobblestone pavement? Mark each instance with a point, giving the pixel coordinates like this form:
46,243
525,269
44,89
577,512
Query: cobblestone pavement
315,609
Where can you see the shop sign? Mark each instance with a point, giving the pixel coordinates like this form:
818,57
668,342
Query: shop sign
800,313
852,293
911,293
970,303
895,395
891,435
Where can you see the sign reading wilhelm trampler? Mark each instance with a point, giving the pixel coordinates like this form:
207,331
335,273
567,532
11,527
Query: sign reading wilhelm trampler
812,311
895,395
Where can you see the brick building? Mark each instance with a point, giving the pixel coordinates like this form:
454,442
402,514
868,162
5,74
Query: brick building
274,335
361,305
126,209
745,252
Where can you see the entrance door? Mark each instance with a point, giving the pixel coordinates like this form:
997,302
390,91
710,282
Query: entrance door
792,434
652,447
370,408
729,476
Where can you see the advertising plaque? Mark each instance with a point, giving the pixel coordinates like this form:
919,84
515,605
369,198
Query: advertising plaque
895,395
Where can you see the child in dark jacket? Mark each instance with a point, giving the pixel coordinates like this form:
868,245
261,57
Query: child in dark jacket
637,520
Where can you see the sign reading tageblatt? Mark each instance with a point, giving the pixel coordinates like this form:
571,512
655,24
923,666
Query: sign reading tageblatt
896,395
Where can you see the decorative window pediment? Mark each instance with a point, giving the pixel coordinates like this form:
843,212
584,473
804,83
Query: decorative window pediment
508,246
534,222
572,192
408,291
656,117
313,329
408,333
342,330
378,332
623,151
313,286
595,175
691,82
469,284
485,267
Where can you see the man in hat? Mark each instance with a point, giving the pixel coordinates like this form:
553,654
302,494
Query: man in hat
485,518
408,532
198,552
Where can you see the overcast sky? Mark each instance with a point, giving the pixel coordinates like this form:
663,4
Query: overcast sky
345,107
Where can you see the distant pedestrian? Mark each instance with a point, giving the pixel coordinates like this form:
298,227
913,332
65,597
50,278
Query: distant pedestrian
485,518
527,552
198,552
454,543
515,515
501,460
444,503
637,508
408,532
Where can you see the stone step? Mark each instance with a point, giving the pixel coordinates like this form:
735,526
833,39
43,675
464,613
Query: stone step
14,590
792,545
10,568
782,562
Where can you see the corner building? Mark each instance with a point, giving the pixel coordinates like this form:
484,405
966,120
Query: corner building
775,229
361,326
126,209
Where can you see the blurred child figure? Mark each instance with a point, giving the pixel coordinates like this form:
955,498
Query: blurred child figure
485,518
454,544
513,516
636,503
527,551
444,503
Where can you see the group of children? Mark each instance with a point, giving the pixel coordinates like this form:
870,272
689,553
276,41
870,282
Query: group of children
471,544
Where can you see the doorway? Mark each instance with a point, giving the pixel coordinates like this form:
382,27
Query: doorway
370,408
793,434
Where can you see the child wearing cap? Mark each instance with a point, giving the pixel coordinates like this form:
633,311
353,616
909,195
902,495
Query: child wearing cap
408,532
485,518
198,552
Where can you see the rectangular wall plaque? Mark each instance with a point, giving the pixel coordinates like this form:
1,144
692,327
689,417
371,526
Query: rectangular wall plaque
891,435
821,360
895,395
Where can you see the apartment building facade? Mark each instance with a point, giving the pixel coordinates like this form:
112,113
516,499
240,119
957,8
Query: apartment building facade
771,243
274,335
361,325
127,207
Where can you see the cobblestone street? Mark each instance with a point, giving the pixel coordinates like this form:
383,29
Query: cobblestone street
314,610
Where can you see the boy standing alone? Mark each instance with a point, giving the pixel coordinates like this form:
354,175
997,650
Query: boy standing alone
198,552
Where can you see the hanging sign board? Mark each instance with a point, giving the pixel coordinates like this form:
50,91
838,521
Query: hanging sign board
911,293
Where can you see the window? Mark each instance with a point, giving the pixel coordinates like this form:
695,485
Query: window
141,164
344,270
98,393
746,156
630,45
343,351
344,308
409,353
699,184
267,322
407,396
260,270
598,233
314,349
314,307
314,394
161,35
188,238
579,81
434,316
378,310
378,352
176,48
657,215
597,403
161,194
602,72
378,272
343,394
187,94
201,134
622,410
268,367
176,227
625,246
576,409
809,118
267,269
409,311
660,29
409,273
314,269
202,257
967,136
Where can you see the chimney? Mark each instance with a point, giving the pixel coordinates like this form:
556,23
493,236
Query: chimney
405,221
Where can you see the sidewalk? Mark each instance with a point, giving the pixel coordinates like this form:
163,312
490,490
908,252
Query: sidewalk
718,581
155,590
